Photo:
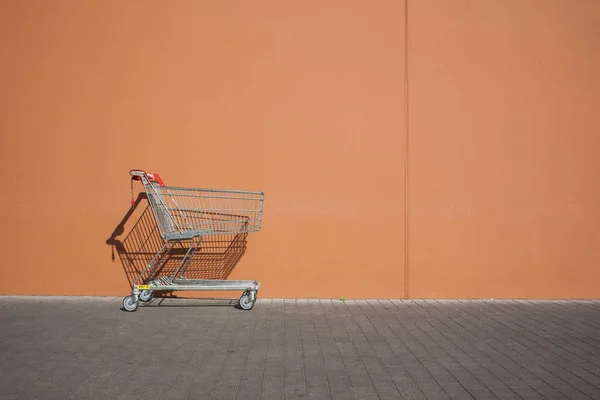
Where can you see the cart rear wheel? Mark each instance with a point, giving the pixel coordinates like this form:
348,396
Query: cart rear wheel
245,301
146,295
129,304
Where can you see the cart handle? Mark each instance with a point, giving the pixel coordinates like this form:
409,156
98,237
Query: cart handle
137,174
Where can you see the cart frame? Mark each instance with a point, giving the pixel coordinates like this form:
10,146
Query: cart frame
189,214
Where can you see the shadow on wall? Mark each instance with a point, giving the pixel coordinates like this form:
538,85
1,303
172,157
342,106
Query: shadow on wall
216,257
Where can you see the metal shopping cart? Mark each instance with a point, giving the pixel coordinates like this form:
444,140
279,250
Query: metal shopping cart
187,215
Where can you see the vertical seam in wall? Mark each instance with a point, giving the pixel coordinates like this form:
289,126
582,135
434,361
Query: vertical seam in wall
406,154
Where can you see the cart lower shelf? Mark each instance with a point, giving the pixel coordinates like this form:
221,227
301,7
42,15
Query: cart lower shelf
167,284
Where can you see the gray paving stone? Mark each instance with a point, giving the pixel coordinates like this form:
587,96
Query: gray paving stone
87,348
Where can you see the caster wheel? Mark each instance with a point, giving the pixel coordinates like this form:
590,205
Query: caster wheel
129,304
146,295
245,301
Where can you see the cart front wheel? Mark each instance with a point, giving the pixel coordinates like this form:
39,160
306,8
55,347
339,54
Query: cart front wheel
129,304
245,301
146,295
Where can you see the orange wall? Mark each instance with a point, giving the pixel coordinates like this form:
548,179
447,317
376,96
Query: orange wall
504,137
306,101
302,100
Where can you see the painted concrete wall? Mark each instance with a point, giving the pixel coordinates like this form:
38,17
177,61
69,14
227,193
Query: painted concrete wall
303,101
307,102
504,136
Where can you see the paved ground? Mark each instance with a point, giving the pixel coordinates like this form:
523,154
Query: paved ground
84,348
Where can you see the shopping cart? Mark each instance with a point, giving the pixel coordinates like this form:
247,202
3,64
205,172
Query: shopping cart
186,215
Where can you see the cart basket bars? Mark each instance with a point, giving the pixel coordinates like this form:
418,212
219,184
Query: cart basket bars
184,213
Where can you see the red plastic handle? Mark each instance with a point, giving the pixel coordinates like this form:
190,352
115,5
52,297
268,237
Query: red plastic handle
151,177
136,175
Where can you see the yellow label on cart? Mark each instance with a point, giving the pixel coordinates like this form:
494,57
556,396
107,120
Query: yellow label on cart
143,286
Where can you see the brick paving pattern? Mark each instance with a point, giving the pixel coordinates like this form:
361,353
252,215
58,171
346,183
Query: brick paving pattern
87,348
